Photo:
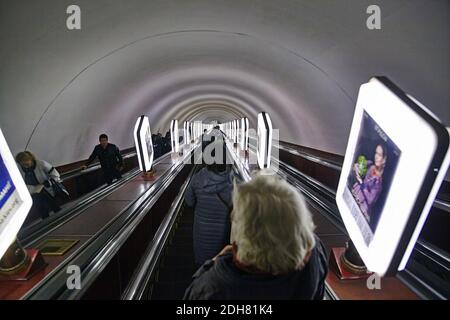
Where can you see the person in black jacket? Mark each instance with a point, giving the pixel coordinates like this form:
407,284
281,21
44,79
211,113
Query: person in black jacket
110,159
209,194
274,252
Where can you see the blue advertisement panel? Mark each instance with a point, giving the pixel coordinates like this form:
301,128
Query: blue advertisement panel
15,200
7,186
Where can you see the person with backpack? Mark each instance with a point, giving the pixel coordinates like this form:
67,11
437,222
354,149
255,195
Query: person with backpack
209,194
40,178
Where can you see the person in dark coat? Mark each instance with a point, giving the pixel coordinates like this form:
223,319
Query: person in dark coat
110,159
209,193
274,253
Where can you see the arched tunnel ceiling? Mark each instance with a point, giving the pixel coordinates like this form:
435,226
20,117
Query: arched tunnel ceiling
301,61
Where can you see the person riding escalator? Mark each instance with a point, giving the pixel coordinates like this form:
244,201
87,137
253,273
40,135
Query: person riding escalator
39,176
110,159
209,194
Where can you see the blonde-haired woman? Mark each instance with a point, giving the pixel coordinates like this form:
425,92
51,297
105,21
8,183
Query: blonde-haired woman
37,175
274,253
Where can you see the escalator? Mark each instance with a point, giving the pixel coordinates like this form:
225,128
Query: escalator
86,187
111,231
145,251
167,271
80,184
316,175
166,268
178,265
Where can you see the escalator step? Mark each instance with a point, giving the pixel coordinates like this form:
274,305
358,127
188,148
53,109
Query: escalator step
178,266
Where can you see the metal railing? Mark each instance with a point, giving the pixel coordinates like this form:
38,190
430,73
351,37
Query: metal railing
315,191
94,255
31,234
148,264
92,167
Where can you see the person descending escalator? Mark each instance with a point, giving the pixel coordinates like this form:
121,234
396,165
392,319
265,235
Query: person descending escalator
110,159
274,253
39,176
209,194
166,145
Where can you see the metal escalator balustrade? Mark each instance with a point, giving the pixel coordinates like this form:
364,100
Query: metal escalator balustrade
32,233
245,171
92,167
166,268
147,274
94,255
421,280
29,236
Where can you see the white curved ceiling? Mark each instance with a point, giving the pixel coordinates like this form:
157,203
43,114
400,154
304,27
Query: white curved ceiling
301,61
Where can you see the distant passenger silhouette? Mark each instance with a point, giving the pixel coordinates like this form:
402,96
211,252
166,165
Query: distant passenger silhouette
274,252
109,157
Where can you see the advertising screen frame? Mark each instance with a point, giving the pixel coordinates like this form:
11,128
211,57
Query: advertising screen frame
144,144
15,190
410,196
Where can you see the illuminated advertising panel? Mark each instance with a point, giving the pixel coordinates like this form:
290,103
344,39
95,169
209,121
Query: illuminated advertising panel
143,142
264,140
396,159
15,200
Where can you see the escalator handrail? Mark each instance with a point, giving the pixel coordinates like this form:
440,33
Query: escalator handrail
436,256
245,176
95,254
314,158
92,167
320,186
142,275
32,234
438,202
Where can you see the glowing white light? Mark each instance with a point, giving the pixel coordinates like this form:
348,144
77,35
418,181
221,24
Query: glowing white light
244,133
407,203
174,135
143,143
236,132
187,138
264,141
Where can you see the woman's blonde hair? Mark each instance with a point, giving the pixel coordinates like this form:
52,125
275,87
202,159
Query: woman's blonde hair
24,156
271,225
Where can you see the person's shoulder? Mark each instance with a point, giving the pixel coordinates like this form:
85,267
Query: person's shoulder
204,284
43,164
319,247
320,253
